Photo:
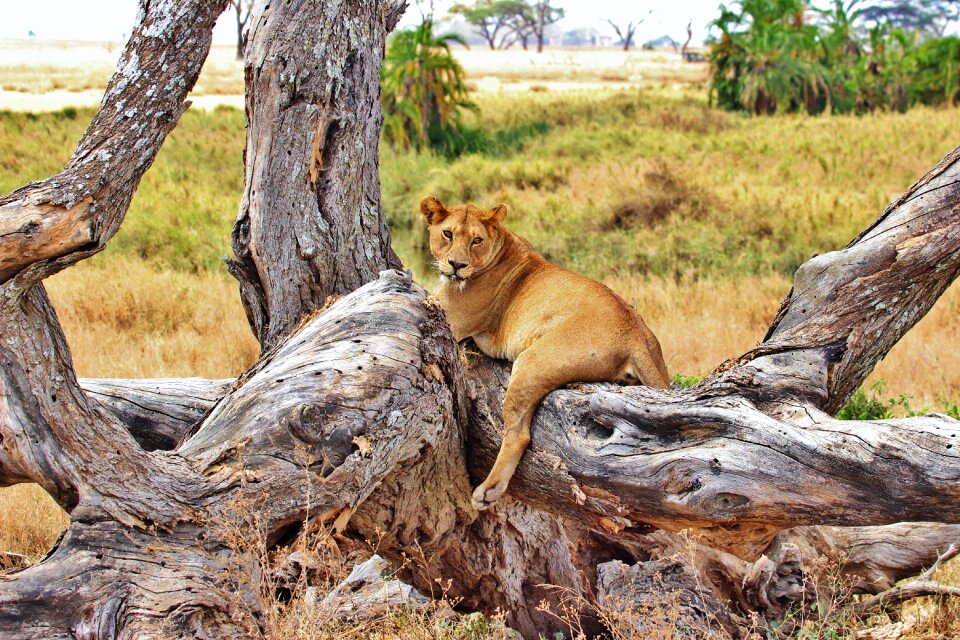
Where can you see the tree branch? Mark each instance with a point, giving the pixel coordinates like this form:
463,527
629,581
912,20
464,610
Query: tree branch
849,307
48,226
921,586
157,412
625,459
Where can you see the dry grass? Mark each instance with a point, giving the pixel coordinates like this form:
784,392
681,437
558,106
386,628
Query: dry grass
42,66
933,618
581,68
124,319
694,216
30,522
702,323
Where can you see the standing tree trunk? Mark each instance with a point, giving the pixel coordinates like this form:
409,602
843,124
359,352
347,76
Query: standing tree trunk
749,462
310,223
686,43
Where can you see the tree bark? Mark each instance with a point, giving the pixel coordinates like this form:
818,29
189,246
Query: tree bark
360,413
310,223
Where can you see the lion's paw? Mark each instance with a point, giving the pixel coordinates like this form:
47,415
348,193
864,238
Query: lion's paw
487,494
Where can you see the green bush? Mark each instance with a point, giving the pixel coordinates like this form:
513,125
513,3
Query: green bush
423,91
684,381
861,406
772,57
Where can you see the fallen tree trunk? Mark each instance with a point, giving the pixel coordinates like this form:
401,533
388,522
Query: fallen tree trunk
871,559
362,415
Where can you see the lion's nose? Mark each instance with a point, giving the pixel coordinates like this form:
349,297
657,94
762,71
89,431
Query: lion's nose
457,265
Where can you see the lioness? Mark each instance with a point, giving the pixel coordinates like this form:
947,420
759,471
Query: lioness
556,326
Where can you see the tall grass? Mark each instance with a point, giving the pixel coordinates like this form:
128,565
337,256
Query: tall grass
181,215
654,184
124,318
651,191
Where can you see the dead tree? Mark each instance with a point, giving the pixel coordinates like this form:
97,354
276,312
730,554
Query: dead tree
749,462
626,33
242,8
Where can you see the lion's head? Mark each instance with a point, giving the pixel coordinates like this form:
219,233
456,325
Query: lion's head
463,239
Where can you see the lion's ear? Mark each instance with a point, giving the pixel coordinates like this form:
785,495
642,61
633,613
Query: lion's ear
433,209
497,215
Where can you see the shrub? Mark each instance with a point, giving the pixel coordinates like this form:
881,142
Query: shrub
423,90
779,56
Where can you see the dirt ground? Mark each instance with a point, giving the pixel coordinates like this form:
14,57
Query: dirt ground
38,75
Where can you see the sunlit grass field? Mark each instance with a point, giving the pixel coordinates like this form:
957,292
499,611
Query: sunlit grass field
697,217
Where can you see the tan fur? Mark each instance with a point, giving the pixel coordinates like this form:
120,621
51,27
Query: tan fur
556,326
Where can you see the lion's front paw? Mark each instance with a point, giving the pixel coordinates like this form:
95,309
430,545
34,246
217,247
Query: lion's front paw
487,494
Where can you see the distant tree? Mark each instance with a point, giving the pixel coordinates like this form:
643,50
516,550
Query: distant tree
539,16
522,28
686,43
626,34
497,21
242,8
927,16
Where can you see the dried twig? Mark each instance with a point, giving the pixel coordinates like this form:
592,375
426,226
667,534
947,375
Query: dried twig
920,586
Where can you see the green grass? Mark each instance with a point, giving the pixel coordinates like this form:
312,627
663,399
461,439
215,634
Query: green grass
629,187
653,184
183,210
642,182
870,404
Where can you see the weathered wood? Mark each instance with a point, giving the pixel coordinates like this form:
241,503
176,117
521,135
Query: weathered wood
310,222
515,535
628,459
365,595
108,580
158,411
51,433
848,308
802,565
567,461
357,396
873,559
663,598
919,587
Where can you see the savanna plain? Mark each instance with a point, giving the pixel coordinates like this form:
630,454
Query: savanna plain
696,216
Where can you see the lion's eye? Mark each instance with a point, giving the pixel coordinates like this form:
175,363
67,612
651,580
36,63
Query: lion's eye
448,234
477,240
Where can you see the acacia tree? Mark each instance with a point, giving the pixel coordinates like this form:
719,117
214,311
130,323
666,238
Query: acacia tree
749,460
537,17
930,16
499,22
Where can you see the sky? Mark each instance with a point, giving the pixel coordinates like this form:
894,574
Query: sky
113,19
